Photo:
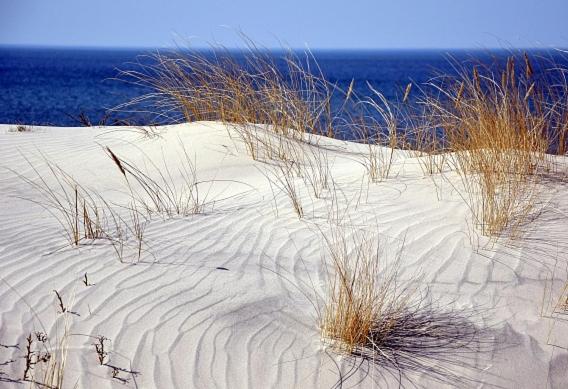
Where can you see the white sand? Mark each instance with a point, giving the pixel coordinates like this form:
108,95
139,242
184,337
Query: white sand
180,322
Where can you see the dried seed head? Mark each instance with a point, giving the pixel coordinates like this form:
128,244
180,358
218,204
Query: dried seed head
407,92
476,79
60,300
511,69
529,91
116,161
528,66
350,90
460,94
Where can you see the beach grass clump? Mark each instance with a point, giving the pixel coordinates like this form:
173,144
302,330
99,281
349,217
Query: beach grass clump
243,91
492,124
374,316
496,128
364,300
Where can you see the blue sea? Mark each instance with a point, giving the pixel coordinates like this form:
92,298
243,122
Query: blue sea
53,86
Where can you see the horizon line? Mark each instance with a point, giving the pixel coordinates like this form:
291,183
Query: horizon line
242,48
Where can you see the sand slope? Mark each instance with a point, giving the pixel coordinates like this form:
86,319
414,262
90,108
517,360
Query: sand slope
219,299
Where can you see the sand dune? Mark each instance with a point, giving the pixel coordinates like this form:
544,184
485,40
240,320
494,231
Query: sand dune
224,298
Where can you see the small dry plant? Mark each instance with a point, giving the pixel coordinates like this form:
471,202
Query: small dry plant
45,358
100,349
21,128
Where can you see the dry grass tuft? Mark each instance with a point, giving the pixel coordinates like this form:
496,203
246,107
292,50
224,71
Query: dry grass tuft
371,315
21,128
83,214
363,294
497,131
283,94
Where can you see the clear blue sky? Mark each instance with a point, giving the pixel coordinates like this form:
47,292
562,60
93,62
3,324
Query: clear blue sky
296,23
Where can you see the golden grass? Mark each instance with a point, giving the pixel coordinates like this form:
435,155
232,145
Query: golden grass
364,298
257,89
371,315
496,131
497,125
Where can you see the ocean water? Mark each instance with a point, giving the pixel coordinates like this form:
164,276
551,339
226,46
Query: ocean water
52,86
